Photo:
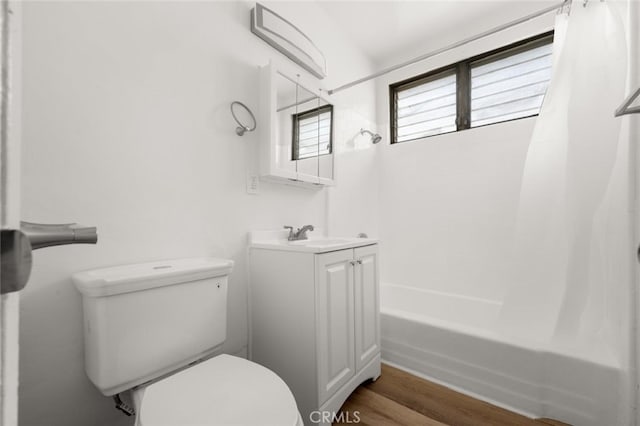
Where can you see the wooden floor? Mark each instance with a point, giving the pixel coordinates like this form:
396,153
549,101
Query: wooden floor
398,398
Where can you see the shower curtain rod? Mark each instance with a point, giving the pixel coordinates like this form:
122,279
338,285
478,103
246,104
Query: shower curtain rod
452,46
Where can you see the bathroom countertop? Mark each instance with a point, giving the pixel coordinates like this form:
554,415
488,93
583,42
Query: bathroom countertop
276,240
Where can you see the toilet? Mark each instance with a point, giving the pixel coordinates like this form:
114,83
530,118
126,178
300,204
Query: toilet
156,330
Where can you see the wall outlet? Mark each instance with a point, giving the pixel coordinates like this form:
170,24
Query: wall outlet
253,183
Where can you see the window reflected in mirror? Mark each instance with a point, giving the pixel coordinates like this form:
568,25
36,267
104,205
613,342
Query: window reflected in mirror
312,132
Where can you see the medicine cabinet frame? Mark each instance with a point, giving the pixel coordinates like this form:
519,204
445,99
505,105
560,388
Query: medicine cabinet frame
272,149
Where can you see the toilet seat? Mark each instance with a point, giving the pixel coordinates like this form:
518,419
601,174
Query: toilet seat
224,390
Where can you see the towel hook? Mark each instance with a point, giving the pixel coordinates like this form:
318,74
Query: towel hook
242,128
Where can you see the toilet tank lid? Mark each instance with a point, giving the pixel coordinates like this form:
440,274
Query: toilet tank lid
143,276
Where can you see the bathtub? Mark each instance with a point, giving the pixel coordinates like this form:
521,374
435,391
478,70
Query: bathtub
454,340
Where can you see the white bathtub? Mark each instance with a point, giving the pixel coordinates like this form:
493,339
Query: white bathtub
453,340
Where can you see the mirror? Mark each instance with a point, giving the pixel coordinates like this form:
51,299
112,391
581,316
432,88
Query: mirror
306,134
326,143
286,107
299,132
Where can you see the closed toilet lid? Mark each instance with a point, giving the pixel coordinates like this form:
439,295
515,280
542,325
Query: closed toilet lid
224,390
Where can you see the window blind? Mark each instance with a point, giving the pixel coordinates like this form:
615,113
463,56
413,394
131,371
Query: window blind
510,87
426,108
313,134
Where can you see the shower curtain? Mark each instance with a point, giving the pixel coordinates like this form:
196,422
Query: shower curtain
567,232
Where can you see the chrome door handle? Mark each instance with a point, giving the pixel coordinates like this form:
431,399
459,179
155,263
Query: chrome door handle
15,260
17,245
43,235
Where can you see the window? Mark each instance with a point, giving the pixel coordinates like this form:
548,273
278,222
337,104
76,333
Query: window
509,87
427,107
312,133
502,85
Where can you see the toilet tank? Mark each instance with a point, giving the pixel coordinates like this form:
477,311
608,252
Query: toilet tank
143,321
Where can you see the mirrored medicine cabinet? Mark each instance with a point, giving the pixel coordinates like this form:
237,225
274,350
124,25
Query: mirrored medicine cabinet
296,130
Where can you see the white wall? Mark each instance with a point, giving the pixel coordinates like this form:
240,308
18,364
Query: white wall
449,202
634,159
126,126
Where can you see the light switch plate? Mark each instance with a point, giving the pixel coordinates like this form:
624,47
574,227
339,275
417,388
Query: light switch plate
253,183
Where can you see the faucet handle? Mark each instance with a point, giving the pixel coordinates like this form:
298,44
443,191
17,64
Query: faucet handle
290,228
301,233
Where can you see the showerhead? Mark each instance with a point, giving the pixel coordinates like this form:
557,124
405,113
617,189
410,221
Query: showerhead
375,138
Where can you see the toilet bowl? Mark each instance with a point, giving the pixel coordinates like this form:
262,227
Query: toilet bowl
224,390
154,329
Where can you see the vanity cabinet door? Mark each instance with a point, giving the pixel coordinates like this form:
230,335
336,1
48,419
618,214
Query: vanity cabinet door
335,321
367,305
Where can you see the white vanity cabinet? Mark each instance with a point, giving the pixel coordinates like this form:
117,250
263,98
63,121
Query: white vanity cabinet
315,322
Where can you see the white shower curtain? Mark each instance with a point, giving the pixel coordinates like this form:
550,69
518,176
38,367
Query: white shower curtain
559,254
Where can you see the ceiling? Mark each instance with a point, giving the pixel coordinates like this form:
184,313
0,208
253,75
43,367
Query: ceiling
388,30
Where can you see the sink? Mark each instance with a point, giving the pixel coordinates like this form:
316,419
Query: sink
321,242
277,240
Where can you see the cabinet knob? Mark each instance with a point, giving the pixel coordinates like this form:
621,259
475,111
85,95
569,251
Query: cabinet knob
359,262
353,262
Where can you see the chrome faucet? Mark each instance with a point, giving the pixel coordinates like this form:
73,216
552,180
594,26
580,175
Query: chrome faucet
300,234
